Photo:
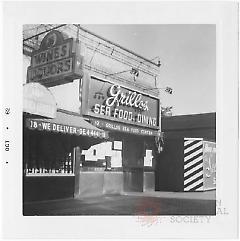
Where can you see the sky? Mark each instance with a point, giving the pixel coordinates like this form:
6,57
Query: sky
188,58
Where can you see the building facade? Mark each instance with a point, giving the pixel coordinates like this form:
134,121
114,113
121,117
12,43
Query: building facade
104,136
188,160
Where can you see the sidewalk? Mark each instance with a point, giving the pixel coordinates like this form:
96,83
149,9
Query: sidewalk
165,203
206,195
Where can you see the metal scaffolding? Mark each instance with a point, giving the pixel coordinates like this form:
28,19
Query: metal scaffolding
102,57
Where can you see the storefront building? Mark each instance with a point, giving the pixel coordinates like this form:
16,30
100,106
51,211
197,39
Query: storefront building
52,152
102,137
132,121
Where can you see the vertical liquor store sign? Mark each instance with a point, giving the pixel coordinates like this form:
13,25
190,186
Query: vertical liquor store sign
57,61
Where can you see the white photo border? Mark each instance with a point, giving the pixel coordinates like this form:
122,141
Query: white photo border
223,14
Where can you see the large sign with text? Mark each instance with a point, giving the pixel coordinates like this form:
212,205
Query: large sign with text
109,101
44,125
124,128
57,61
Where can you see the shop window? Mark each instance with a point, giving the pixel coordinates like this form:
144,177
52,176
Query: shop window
148,158
117,145
48,155
38,165
116,159
107,155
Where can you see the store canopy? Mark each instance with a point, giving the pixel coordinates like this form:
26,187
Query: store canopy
39,101
66,123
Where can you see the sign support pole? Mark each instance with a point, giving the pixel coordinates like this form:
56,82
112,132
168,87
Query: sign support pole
77,161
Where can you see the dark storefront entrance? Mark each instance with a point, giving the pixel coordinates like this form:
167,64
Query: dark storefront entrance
51,156
129,173
132,118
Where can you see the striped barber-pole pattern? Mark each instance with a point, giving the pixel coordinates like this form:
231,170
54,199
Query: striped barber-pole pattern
193,164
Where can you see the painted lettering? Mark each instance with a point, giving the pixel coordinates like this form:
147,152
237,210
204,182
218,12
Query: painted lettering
131,99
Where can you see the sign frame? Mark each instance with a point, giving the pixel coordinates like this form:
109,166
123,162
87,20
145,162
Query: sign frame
123,127
86,108
45,125
76,66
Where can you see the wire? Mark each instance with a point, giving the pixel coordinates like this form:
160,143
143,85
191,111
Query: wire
114,50
105,47
108,41
124,71
59,26
94,53
121,61
123,80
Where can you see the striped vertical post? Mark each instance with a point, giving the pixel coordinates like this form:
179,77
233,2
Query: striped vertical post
193,164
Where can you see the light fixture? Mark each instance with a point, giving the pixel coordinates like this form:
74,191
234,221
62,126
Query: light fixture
133,71
169,90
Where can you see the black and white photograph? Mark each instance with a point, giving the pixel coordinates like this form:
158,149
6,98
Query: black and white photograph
121,120
96,131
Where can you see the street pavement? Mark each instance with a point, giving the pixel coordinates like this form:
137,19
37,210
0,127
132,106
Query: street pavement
155,203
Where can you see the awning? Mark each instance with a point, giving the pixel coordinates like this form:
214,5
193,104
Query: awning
66,123
38,100
124,128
